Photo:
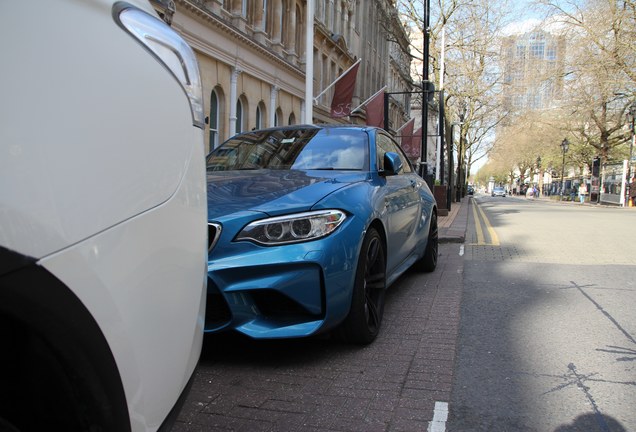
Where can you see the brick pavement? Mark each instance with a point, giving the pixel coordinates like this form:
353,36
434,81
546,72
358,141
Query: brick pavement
320,384
452,228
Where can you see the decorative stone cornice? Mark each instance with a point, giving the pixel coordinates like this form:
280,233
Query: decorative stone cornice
193,7
332,41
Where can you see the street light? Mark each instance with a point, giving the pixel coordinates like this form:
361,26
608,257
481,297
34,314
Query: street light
631,117
451,170
539,177
565,144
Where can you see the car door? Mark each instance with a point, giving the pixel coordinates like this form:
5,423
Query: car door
401,204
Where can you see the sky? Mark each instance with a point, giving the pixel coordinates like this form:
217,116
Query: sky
528,15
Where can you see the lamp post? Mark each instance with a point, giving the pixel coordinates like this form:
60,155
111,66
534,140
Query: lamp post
451,170
539,176
631,117
426,85
565,144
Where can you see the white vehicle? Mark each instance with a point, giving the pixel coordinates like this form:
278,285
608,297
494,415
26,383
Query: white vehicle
103,221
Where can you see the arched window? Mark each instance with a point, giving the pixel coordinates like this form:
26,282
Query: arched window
214,120
277,117
268,14
299,35
239,116
259,116
285,24
292,119
265,14
281,22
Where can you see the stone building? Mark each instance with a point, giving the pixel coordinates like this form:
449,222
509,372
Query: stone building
252,58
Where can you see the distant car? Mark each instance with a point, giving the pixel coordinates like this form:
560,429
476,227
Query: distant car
308,227
499,191
470,190
102,217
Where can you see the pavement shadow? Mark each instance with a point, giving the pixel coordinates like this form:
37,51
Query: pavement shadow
589,422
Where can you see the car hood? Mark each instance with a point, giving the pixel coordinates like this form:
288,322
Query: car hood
272,191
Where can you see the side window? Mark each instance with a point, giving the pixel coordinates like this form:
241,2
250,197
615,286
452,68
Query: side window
385,144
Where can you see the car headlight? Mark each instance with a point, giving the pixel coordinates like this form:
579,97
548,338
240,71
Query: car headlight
170,49
294,228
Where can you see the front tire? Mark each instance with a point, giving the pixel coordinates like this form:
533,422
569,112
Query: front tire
362,325
428,263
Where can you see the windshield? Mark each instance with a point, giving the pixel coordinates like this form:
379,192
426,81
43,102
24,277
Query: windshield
298,149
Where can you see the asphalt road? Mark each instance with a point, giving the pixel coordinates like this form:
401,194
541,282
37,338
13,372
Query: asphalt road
548,319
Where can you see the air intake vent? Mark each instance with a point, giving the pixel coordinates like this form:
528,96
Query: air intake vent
214,232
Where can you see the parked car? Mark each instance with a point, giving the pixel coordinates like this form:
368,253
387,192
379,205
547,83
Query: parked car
309,226
102,215
499,191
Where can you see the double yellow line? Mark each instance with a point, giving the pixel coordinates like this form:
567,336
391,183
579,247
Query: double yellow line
481,241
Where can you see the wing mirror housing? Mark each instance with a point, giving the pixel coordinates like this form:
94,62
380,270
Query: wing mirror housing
392,164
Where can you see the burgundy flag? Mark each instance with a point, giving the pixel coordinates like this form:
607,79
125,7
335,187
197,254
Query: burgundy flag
406,133
343,93
416,143
375,110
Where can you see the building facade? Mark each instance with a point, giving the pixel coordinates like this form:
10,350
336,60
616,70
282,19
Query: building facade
533,65
252,58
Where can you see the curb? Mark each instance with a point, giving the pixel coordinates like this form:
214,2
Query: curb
454,230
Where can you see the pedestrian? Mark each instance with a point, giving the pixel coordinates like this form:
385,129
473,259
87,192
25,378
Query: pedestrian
632,191
582,191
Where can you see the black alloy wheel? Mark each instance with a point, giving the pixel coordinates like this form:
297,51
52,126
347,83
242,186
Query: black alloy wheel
428,263
367,305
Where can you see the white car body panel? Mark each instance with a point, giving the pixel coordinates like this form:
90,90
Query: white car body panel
73,137
102,180
157,350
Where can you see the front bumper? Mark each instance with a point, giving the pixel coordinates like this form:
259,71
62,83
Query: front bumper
281,292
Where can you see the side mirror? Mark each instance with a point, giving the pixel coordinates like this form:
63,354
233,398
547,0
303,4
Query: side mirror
392,164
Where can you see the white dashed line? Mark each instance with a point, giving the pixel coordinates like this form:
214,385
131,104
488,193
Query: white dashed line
461,250
440,415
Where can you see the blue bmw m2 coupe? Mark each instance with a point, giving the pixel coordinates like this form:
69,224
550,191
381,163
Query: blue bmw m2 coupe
308,226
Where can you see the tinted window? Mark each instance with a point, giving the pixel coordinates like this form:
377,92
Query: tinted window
302,149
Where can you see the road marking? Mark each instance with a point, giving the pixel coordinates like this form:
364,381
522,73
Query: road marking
481,241
440,415
461,250
480,233
493,235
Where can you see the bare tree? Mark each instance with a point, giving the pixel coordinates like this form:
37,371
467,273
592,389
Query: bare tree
609,26
469,30
601,64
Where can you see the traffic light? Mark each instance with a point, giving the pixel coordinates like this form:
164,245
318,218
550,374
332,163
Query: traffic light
596,166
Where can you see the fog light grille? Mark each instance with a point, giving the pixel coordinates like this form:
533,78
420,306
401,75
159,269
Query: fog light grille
214,232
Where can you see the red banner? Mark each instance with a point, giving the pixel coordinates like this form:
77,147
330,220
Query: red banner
375,111
343,93
409,143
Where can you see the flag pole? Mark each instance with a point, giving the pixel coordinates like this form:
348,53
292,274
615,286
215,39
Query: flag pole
402,127
309,64
367,101
337,79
